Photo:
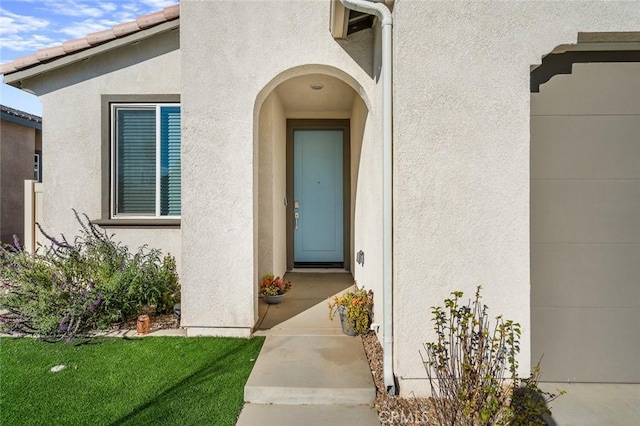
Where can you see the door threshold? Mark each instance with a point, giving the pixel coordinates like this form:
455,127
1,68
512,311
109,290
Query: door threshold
320,270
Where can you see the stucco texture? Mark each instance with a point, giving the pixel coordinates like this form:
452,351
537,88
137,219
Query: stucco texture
461,154
226,188
72,132
272,188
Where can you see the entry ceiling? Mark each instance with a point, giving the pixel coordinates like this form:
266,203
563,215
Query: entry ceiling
297,96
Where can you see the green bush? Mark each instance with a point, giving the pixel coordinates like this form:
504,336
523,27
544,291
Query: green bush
67,289
472,368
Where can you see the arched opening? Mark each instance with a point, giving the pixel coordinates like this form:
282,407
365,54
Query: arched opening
303,107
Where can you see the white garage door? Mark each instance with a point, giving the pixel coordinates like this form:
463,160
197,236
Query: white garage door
585,224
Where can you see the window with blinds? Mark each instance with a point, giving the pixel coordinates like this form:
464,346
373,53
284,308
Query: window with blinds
146,160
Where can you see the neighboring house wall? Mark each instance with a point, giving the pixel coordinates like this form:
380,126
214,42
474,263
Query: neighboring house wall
461,154
72,102
18,143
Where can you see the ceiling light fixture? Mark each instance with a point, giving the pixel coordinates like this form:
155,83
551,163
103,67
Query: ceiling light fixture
316,86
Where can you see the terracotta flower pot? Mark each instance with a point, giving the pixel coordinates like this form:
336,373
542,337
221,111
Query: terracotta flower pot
143,326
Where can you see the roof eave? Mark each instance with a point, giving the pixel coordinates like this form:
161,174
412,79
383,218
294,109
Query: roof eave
15,78
4,116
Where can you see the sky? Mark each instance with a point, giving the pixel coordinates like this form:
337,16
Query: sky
29,25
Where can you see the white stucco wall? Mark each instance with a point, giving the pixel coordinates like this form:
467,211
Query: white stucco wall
249,56
461,154
72,131
279,245
272,246
265,186
366,201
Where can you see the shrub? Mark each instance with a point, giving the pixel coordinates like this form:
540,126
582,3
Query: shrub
270,286
67,289
530,403
357,306
472,368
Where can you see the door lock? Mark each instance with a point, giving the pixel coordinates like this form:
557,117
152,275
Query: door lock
296,216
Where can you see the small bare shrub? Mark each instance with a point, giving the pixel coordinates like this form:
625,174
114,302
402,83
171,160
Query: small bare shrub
472,368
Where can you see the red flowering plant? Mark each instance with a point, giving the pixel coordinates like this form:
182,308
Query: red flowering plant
271,286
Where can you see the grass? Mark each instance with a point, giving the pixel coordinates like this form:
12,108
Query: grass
112,381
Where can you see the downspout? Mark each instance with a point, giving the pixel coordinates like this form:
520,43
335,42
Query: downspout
386,22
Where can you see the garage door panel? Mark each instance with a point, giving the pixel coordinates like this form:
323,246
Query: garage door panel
577,344
585,211
595,88
594,147
585,275
585,224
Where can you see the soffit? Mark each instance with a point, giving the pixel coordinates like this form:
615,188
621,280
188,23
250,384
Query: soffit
296,94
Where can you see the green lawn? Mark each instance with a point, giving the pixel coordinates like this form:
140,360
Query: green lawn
140,381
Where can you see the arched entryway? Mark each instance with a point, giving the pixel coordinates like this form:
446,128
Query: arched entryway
311,124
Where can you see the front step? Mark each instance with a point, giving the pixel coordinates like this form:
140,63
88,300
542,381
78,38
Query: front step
316,370
309,415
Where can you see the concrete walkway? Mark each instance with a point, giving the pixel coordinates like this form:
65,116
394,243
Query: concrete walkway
308,372
594,404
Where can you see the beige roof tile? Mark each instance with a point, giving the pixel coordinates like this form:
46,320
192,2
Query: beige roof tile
150,20
25,61
101,36
171,12
50,53
7,68
127,28
71,46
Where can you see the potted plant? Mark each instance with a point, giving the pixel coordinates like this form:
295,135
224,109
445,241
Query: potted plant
355,309
273,289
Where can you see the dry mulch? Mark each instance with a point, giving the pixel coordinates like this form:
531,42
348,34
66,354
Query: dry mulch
394,410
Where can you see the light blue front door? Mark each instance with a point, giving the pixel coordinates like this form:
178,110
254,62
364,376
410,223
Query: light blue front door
318,196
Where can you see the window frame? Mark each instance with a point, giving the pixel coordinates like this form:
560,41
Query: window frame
156,107
37,165
106,220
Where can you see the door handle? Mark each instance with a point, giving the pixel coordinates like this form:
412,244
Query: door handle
296,216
